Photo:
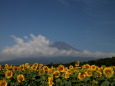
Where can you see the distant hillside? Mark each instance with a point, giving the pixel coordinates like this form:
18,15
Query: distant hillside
99,62
103,61
54,60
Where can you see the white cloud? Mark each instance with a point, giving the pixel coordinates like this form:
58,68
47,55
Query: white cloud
87,53
39,46
25,37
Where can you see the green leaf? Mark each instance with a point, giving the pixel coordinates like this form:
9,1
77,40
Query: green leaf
86,79
105,83
100,78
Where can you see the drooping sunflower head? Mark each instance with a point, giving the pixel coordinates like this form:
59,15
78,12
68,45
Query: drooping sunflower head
99,73
20,78
67,75
27,65
10,67
50,81
3,83
33,68
15,68
49,71
108,71
8,74
56,73
35,64
77,63
41,71
40,66
52,68
6,66
21,67
102,66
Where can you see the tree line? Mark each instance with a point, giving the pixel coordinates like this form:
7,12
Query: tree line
99,62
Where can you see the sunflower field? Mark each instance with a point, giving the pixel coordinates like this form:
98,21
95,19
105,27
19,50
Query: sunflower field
42,75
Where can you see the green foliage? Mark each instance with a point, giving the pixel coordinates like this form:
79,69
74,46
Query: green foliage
102,61
33,77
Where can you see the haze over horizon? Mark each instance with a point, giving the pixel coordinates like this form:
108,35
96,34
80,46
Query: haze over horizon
87,25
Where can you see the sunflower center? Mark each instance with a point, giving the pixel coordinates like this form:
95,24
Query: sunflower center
108,71
61,68
82,76
3,84
9,74
21,79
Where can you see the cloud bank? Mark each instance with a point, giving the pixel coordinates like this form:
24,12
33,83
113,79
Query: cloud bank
39,46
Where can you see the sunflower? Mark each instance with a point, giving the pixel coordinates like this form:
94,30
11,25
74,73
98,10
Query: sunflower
108,71
50,81
93,67
71,67
76,70
21,67
33,67
3,83
49,71
45,68
61,68
27,65
0,67
56,73
10,66
81,76
66,68
41,71
77,63
77,67
67,75
8,74
87,66
40,66
102,66
15,68
6,66
35,64
88,72
99,74
68,71
52,68
20,78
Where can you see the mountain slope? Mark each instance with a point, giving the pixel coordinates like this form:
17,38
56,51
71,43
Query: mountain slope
63,46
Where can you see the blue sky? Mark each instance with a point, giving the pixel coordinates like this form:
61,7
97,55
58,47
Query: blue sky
84,24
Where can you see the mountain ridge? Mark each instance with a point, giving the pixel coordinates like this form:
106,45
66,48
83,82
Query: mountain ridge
63,46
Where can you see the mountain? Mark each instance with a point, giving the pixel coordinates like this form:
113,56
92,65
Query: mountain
47,60
63,46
